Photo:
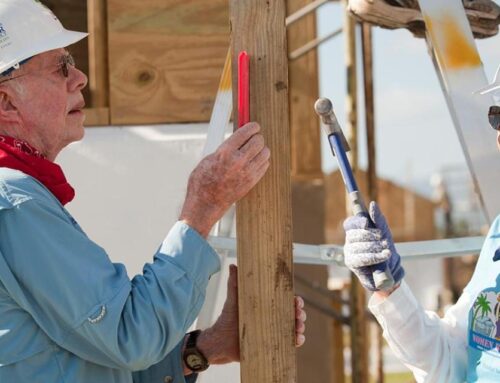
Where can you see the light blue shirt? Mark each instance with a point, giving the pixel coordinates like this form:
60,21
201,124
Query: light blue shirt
484,314
68,314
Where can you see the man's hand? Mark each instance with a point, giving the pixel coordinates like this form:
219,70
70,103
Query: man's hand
365,247
220,343
224,177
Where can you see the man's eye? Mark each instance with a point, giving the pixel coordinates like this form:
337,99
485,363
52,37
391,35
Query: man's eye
59,70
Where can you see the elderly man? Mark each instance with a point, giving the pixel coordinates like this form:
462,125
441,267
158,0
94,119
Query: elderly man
66,312
464,345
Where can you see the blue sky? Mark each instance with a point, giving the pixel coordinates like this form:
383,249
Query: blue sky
415,135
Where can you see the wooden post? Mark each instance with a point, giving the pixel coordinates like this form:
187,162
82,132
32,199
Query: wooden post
98,59
314,358
264,220
359,344
338,373
367,45
366,38
98,52
303,75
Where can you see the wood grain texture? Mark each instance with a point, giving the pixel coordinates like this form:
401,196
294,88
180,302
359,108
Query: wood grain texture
357,296
73,15
314,358
96,117
166,59
97,11
304,91
264,221
337,341
375,331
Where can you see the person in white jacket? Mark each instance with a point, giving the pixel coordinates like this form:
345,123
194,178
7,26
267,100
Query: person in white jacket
464,345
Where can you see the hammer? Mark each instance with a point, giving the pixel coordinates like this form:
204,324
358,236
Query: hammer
324,108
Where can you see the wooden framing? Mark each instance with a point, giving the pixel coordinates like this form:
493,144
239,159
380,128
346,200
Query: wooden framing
264,221
166,57
303,76
371,179
97,17
98,52
359,340
96,117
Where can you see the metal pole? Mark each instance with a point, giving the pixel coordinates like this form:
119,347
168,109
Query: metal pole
333,254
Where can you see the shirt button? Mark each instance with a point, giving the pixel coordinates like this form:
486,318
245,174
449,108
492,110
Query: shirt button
168,379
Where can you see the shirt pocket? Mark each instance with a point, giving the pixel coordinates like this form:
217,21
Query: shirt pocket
20,336
41,367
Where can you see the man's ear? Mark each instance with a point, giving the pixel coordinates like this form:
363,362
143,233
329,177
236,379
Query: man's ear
8,109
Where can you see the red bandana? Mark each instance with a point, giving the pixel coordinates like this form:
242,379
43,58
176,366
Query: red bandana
19,155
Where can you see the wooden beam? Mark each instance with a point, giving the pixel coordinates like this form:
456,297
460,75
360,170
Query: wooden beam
98,53
337,340
314,361
367,49
264,220
166,58
96,117
73,15
359,341
304,91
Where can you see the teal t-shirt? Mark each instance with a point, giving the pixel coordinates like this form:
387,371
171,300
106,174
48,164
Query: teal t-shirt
484,315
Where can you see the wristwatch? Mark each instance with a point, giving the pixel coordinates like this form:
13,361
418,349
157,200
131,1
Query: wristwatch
194,358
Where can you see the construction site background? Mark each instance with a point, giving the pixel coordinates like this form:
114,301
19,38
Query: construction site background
164,69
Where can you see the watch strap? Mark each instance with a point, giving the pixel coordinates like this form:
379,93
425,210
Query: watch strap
192,338
192,351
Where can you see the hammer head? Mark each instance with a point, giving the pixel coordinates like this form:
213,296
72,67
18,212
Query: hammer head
324,109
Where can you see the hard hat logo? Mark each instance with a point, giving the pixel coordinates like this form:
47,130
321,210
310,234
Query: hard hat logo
4,37
29,28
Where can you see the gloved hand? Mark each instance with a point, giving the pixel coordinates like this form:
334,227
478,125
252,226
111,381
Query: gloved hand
365,247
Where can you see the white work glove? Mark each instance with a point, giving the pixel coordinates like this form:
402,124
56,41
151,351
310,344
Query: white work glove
366,247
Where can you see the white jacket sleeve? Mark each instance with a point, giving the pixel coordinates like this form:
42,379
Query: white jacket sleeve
433,348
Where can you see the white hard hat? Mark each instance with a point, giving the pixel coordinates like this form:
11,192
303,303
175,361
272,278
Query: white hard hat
493,87
28,28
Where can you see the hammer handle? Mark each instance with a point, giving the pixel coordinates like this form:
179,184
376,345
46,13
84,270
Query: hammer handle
381,274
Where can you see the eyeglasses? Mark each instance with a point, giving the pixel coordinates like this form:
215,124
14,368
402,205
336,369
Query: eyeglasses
65,62
494,117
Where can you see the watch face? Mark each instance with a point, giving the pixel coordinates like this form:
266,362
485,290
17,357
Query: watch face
194,362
